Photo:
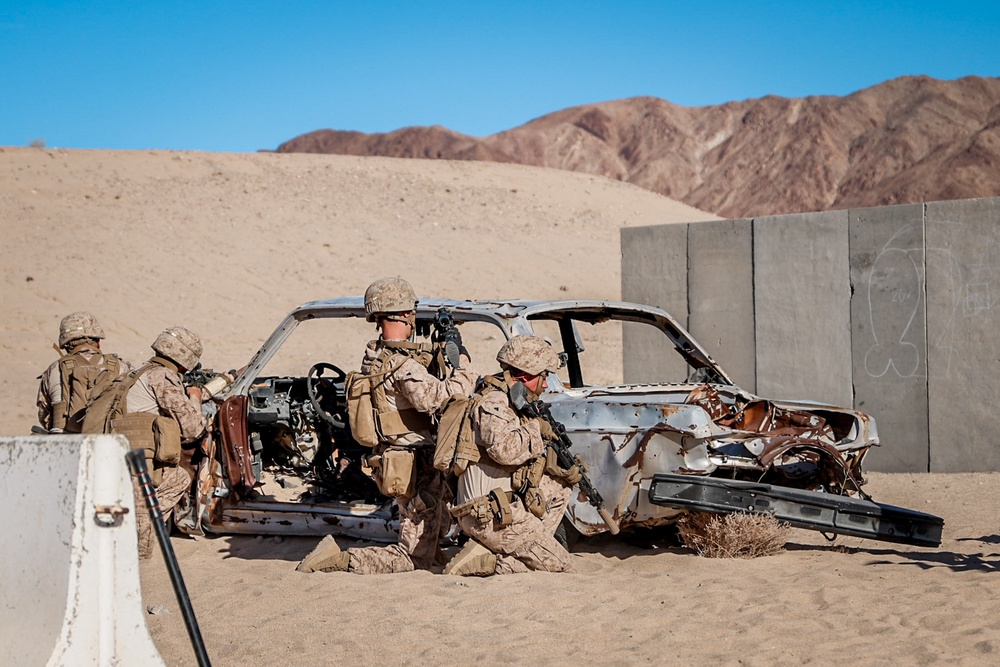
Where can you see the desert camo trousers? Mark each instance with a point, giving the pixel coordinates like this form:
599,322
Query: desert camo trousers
556,496
176,482
526,544
423,521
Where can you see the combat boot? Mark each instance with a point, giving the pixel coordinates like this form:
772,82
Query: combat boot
474,560
326,557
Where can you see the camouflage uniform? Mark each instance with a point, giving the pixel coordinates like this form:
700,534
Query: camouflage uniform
509,440
556,493
410,390
424,518
160,392
156,388
79,336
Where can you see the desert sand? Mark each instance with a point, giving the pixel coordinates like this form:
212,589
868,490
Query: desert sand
226,244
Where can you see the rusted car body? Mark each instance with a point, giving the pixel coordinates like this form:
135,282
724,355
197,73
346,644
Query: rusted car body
695,423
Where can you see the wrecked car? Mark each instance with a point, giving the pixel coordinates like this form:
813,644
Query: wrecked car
281,459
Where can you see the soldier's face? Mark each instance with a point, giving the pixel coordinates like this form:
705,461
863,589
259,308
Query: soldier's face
536,384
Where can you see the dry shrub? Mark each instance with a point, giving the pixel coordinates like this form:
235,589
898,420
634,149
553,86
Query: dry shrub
737,535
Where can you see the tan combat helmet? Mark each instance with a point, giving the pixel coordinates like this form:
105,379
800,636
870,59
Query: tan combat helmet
178,345
386,296
530,354
78,325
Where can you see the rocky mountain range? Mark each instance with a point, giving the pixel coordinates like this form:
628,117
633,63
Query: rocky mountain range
906,140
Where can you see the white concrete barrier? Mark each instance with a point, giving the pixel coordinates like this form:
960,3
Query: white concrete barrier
69,566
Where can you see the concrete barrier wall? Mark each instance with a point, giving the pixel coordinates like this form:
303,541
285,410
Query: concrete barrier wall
69,586
888,309
659,257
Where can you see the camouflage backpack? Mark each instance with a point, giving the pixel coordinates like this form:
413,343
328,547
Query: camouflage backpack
82,380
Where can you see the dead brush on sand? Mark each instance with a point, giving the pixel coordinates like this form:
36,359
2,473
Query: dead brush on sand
737,535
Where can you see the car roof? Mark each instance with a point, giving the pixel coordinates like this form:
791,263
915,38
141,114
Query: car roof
488,308
510,314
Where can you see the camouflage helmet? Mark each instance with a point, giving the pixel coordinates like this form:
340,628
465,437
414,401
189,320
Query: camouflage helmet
179,345
79,325
389,295
530,354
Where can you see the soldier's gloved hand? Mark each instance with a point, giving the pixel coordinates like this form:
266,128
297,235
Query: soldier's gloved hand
570,476
547,433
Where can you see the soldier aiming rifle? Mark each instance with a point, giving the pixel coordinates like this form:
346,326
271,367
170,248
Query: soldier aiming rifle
561,447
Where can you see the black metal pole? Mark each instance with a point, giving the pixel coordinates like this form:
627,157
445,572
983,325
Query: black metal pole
136,460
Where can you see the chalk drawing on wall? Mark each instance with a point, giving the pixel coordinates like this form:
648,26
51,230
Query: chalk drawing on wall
894,300
897,294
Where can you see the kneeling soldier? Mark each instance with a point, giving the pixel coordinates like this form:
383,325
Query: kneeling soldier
152,408
71,383
505,537
405,395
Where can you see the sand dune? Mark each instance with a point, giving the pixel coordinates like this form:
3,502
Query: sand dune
227,244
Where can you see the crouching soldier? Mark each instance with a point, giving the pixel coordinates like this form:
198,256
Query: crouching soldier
390,404
505,537
151,407
71,383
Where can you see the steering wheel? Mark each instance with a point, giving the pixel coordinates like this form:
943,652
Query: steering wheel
313,380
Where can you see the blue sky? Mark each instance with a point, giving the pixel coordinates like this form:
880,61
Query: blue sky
242,76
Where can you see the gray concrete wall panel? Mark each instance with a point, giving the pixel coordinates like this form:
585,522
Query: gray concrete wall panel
963,345
889,332
920,321
655,273
720,295
803,305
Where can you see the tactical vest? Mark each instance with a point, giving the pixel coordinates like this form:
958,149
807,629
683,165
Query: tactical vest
372,417
456,439
81,381
158,435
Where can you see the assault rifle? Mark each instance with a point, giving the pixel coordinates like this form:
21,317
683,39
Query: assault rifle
210,382
446,333
561,446
198,376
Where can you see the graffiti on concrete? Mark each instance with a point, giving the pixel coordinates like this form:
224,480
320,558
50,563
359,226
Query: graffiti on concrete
895,307
897,302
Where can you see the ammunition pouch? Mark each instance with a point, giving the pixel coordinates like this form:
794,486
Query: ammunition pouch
59,416
167,435
360,410
534,502
159,436
528,476
493,507
525,482
395,472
